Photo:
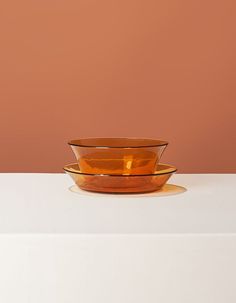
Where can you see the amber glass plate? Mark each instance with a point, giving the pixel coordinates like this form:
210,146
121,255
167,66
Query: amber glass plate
121,183
118,155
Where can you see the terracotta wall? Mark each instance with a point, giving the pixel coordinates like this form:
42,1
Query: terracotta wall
77,68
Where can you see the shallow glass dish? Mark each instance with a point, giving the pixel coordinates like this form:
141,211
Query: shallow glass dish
121,183
118,156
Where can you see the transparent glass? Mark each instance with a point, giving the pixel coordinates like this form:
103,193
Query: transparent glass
118,155
121,183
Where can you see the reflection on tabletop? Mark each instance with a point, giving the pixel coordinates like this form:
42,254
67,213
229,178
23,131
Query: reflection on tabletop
167,190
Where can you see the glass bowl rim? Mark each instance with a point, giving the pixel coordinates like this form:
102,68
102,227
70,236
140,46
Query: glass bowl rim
169,170
158,142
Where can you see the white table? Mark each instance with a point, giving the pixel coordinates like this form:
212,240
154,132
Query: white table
62,246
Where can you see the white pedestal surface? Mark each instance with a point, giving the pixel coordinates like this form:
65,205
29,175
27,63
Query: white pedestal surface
61,246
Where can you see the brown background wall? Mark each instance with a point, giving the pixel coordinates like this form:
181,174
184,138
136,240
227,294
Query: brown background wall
72,68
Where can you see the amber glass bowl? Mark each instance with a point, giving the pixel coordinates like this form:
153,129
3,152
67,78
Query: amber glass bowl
118,155
121,183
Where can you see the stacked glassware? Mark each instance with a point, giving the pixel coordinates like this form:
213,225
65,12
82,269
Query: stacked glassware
119,165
